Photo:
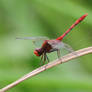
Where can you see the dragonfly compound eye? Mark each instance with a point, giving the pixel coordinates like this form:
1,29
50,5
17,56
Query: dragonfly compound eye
36,53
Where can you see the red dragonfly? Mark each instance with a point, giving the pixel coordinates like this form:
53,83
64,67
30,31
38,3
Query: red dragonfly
52,45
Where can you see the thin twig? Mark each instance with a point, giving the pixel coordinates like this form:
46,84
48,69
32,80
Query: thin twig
49,65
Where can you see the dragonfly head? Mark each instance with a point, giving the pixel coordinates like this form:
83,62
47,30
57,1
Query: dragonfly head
37,52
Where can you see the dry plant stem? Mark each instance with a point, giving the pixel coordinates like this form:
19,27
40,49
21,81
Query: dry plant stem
49,65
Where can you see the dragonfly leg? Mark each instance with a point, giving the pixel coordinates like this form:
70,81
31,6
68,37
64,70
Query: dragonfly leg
44,58
47,58
41,60
58,53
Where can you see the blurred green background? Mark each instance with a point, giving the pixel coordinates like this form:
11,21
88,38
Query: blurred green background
51,18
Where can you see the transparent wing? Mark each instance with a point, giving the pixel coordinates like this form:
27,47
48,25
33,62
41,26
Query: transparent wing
57,45
68,47
37,41
61,48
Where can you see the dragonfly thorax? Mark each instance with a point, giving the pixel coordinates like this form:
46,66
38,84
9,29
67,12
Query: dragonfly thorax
44,49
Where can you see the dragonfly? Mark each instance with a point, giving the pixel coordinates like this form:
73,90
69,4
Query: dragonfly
48,46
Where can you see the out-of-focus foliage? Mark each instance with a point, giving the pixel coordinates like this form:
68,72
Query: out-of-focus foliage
24,18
